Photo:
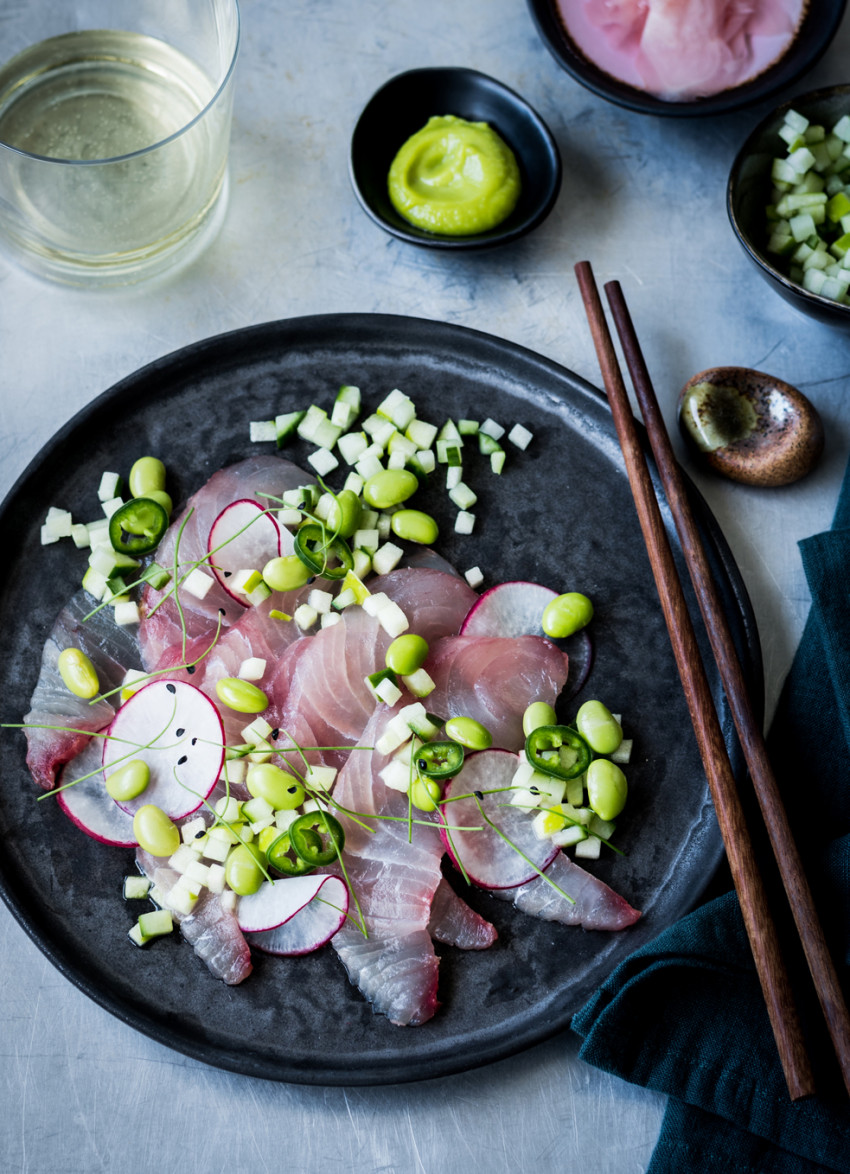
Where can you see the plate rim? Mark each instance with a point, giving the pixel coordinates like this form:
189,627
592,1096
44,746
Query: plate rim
25,910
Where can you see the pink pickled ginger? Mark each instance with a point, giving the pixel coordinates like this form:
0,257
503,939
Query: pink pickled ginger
682,49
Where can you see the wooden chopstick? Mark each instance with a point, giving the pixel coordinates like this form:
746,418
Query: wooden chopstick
782,841
730,816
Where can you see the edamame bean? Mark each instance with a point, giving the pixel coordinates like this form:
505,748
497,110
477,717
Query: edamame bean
241,695
148,473
344,513
78,673
567,614
538,714
155,831
389,487
599,728
415,526
424,794
606,788
406,654
242,870
161,498
469,733
269,782
287,573
129,780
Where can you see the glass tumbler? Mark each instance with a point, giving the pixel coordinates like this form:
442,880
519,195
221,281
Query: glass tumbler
114,133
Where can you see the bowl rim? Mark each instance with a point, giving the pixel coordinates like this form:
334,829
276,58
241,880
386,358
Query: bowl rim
495,237
795,290
758,89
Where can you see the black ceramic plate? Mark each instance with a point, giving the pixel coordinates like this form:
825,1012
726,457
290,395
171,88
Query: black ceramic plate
560,513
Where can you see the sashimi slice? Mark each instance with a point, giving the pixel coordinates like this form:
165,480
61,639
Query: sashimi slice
596,905
313,924
178,732
393,881
244,536
211,930
112,650
435,602
494,679
87,803
491,860
456,924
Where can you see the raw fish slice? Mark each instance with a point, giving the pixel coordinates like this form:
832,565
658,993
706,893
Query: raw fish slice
111,649
436,603
212,931
393,882
596,905
248,479
328,690
494,679
453,922
256,634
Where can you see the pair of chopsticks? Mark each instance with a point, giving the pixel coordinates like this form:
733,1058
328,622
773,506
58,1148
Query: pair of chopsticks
736,837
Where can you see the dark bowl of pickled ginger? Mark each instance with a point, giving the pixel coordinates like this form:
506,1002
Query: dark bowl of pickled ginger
679,59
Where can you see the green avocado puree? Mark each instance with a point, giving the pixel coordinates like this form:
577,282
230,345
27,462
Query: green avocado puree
454,178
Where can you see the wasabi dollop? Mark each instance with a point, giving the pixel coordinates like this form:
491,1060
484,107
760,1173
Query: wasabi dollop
454,178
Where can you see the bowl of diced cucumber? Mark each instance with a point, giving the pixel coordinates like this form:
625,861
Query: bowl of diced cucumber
788,201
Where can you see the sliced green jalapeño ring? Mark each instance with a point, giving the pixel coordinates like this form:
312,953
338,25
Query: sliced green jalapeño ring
317,838
315,546
137,527
558,751
439,760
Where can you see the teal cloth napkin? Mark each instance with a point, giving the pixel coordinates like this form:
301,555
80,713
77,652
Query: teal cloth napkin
684,1014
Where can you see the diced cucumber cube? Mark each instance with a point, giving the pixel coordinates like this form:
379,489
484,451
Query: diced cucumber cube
464,522
260,431
286,426
136,888
310,421
421,434
110,487
323,461
474,577
305,616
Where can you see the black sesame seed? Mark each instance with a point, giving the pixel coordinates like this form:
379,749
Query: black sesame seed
227,574
275,734
171,688
180,732
479,795
222,612
190,668
180,761
194,741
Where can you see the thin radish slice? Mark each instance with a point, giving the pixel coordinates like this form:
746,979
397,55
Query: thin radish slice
88,805
311,908
516,609
177,731
510,609
488,860
243,537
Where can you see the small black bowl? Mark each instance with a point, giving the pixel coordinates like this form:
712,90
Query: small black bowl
750,187
819,25
402,107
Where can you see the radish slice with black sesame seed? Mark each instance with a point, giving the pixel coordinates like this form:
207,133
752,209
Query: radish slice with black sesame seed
491,860
295,915
244,537
87,803
516,609
177,731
